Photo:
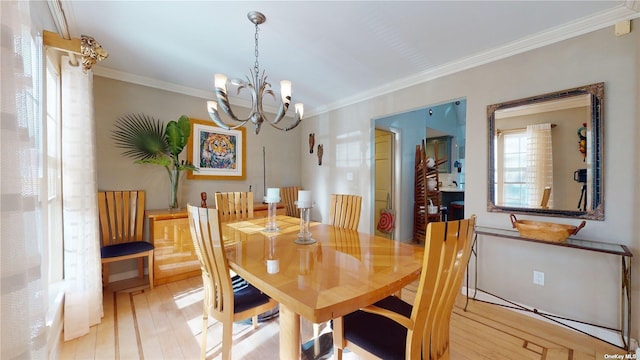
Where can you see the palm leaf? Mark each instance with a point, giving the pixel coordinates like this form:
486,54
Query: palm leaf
177,135
141,136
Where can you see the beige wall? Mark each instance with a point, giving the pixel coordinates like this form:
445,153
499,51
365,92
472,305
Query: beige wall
578,284
115,98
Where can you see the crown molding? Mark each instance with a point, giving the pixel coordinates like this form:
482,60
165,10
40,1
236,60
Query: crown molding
630,9
168,86
626,11
633,5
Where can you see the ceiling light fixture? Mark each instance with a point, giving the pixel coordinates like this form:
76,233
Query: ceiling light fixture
258,86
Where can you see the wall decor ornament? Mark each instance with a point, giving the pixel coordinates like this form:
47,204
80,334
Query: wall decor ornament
320,152
312,141
216,153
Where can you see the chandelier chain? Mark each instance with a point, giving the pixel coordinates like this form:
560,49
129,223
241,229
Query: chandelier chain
256,66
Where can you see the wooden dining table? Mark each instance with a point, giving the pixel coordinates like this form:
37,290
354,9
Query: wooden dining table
341,272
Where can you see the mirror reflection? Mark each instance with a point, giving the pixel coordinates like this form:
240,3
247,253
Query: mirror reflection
546,154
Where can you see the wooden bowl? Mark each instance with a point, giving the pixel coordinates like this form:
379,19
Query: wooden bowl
545,231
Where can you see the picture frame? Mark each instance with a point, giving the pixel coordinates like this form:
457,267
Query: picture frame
218,154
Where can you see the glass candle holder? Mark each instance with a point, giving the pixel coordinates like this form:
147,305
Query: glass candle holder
304,236
272,199
272,224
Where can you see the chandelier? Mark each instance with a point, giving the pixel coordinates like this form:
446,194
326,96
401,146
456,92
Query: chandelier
258,86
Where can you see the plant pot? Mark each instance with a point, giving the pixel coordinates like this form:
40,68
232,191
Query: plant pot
174,189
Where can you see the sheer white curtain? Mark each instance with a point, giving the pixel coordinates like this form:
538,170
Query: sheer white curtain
539,163
22,297
82,267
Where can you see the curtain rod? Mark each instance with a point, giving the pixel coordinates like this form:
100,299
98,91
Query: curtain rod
87,47
500,131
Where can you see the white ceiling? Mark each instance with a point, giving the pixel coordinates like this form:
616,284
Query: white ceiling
334,52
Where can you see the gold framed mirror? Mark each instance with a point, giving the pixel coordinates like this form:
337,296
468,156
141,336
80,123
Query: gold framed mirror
546,154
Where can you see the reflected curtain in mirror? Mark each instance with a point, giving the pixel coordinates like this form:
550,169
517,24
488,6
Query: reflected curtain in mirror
539,163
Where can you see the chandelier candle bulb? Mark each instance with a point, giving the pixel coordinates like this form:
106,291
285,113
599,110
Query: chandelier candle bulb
285,90
221,81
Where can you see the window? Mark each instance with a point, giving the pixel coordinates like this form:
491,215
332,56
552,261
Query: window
511,168
52,174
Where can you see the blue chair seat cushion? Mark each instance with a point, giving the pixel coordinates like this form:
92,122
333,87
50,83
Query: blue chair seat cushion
124,249
247,297
377,334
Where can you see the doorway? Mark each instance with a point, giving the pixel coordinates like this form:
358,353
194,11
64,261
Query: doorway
410,129
384,160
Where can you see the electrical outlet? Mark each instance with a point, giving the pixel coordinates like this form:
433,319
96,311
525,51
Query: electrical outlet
538,278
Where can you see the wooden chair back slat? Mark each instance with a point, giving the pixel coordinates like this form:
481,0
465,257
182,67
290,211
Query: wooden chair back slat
462,234
289,195
121,215
344,211
234,205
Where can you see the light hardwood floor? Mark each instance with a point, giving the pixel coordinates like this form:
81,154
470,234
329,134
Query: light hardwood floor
166,324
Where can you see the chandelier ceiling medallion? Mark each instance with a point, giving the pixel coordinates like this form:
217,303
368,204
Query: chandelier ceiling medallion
258,86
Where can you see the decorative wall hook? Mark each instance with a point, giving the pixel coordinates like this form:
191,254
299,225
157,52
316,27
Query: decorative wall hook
320,152
312,141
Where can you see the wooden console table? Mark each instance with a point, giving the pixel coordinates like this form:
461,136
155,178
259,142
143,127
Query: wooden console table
174,257
586,245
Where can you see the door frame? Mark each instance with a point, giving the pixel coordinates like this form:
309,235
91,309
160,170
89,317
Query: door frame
396,170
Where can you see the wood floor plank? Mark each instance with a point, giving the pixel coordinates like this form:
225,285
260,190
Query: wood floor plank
151,347
166,323
159,307
105,342
180,316
126,328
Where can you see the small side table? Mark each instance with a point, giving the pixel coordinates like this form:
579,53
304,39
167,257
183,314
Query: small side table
580,244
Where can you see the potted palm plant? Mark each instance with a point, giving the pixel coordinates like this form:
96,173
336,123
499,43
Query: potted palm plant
149,141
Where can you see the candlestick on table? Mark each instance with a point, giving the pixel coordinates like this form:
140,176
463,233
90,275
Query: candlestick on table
304,204
272,199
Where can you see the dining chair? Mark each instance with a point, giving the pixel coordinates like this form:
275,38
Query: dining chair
344,211
289,196
220,300
121,218
546,194
409,329
236,205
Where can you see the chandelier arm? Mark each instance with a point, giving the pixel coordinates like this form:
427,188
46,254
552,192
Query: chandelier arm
282,109
215,117
297,122
223,102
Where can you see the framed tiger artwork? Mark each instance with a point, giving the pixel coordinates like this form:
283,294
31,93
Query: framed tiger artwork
217,153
